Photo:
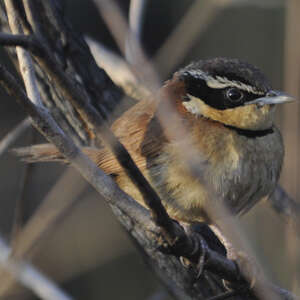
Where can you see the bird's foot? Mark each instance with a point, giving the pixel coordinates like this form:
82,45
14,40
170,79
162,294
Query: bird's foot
204,239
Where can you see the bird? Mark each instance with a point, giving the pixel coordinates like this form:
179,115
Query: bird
227,107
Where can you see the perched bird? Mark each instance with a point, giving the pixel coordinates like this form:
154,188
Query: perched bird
227,108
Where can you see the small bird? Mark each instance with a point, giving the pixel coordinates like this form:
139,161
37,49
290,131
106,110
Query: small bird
227,108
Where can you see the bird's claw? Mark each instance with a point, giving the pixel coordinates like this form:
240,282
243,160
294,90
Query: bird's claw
200,246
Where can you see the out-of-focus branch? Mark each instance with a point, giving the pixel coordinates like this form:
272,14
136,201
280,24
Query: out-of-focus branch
13,135
136,13
29,276
48,216
284,205
119,70
187,31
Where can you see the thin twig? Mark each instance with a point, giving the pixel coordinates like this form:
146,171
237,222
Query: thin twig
13,135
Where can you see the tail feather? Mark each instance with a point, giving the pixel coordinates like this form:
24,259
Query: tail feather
49,153
39,153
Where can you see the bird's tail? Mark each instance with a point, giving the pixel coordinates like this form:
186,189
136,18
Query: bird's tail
48,153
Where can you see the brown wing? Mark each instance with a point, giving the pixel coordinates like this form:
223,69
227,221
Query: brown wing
130,128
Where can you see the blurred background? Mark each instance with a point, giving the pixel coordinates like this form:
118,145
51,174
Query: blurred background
88,252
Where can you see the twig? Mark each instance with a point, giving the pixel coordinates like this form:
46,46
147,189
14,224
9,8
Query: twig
13,135
25,61
120,30
30,276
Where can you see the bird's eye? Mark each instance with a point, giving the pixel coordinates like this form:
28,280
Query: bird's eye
234,95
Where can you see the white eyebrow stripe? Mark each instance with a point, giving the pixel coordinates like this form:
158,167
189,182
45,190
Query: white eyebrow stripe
219,82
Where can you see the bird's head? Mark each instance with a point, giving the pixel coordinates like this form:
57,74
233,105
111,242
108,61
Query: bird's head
229,91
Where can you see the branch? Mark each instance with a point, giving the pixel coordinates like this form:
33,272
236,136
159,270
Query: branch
118,70
25,62
136,13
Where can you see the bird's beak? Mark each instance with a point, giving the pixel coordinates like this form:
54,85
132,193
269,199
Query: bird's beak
272,97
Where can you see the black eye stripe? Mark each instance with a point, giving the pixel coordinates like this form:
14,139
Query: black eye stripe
215,97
